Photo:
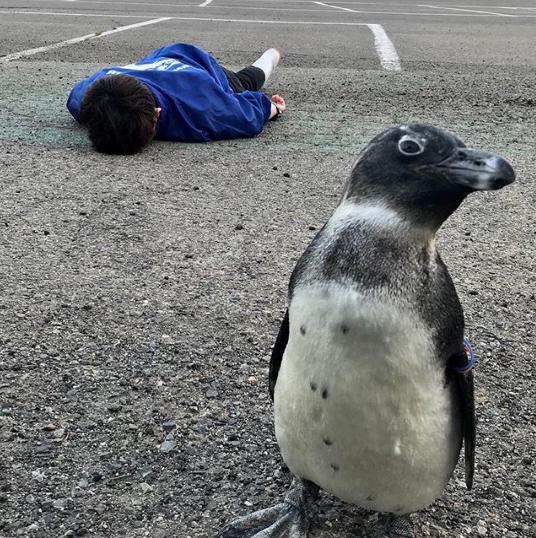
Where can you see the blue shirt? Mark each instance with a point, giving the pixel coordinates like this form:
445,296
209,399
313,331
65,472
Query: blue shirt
193,92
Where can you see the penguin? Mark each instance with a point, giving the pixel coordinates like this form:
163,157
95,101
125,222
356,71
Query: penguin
370,377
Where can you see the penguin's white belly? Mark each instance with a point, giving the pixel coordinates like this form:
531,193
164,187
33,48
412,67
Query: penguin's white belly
361,406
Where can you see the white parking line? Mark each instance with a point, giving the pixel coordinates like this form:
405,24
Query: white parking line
384,47
67,14
336,7
141,16
386,50
351,2
209,19
467,10
496,7
398,4
121,3
30,52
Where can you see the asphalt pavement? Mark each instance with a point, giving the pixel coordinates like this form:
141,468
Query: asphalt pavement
141,295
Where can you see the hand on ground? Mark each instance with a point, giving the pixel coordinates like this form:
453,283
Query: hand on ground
280,102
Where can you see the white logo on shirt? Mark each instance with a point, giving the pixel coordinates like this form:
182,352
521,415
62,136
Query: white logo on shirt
165,64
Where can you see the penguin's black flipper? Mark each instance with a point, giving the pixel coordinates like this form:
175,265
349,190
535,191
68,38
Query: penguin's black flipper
467,398
463,363
277,354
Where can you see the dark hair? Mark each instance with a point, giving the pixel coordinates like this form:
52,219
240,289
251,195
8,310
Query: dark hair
119,112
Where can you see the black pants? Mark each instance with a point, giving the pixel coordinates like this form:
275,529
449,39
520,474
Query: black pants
248,79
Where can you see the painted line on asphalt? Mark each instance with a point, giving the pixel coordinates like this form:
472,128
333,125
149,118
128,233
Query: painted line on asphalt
142,16
172,17
384,47
397,4
258,21
468,10
337,7
394,4
30,52
72,14
494,7
205,3
121,2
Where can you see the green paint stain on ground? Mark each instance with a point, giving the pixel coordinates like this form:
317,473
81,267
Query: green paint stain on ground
32,106
32,109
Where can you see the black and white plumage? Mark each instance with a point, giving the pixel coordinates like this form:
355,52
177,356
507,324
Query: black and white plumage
368,405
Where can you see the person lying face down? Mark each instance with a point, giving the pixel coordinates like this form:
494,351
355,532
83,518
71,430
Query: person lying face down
178,92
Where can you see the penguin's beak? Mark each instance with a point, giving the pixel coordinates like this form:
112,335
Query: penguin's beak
478,170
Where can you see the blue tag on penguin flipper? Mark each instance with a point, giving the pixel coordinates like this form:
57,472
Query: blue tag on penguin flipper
470,359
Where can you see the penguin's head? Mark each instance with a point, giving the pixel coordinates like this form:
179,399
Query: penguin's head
424,171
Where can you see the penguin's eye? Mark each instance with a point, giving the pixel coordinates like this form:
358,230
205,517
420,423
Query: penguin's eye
409,146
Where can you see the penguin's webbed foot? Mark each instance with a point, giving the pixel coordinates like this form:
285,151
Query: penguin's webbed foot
390,526
289,519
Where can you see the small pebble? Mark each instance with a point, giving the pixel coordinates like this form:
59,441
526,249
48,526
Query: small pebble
146,471
481,528
167,446
59,433
168,425
146,488
59,504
